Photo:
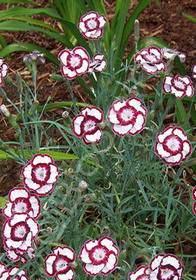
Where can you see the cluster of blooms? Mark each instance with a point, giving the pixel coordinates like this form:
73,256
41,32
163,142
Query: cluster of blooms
151,60
127,117
76,62
194,197
99,256
162,267
23,208
7,274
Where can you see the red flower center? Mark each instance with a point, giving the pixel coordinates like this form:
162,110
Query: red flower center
172,144
19,231
99,254
92,24
41,173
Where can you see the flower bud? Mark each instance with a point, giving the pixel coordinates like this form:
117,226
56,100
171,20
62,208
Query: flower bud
82,185
4,110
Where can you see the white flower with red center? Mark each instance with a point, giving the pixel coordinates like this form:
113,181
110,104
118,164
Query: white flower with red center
21,275
40,174
74,62
142,273
165,267
60,263
3,70
21,201
91,25
99,256
150,60
98,64
127,116
179,86
19,232
16,255
172,145
171,54
194,71
86,125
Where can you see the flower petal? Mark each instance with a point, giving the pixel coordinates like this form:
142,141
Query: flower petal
156,261
93,269
77,125
44,190
109,244
139,273
110,265
93,136
121,130
93,112
171,260
68,275
49,264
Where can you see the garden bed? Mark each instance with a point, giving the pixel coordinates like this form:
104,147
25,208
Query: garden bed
166,23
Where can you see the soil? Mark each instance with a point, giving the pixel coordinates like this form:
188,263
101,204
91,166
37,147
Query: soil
165,22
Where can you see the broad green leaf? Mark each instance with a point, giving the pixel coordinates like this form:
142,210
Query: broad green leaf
55,155
2,41
118,22
14,25
18,2
189,17
127,31
3,201
181,114
11,12
52,106
35,22
15,47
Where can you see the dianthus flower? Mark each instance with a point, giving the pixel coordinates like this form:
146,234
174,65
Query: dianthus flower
40,174
180,86
16,255
194,71
98,64
86,125
21,201
9,273
91,25
165,267
150,60
19,232
172,145
99,256
171,54
60,263
127,116
142,273
162,267
35,55
3,70
74,62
